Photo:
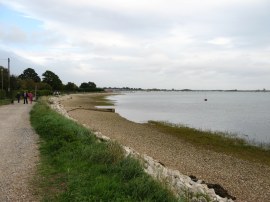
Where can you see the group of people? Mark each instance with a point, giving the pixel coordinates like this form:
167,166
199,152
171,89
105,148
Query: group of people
25,95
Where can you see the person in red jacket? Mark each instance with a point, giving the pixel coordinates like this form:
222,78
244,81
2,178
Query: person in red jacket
30,95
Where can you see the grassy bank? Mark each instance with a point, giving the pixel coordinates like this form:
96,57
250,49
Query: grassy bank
4,101
216,141
102,100
75,166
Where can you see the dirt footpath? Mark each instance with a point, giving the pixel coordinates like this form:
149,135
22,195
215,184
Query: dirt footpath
18,153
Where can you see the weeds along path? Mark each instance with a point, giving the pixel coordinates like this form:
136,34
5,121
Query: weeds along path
18,153
246,181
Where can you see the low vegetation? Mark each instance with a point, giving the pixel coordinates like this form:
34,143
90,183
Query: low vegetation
217,141
4,101
76,166
102,100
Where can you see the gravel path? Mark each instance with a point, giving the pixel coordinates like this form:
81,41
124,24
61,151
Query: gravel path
19,153
244,180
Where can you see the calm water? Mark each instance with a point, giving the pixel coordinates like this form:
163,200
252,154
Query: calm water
244,113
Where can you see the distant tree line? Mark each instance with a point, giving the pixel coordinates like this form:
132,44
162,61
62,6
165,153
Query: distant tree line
30,81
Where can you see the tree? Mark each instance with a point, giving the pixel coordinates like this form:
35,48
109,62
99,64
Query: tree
52,79
71,87
14,85
30,73
4,78
89,85
43,86
26,84
7,81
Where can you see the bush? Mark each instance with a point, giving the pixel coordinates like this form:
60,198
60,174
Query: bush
90,89
2,94
44,92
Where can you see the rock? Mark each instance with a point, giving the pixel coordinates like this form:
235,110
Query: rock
219,190
193,178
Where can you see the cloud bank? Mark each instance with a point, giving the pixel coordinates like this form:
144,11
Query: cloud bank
148,44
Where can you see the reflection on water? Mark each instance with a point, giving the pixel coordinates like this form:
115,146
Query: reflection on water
244,113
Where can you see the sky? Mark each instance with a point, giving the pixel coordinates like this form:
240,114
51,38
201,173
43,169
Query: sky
194,44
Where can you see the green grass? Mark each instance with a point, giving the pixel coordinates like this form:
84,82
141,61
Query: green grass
4,101
75,166
217,141
102,100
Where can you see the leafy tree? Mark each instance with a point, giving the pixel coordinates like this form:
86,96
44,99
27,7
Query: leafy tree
7,81
26,84
4,76
43,86
52,79
89,85
14,85
71,87
30,73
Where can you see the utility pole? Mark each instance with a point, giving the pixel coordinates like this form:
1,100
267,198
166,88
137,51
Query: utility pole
2,74
8,75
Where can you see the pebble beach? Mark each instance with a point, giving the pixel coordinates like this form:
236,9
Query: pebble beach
246,181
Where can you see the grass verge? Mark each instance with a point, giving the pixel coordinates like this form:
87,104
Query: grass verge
75,166
102,100
4,101
216,141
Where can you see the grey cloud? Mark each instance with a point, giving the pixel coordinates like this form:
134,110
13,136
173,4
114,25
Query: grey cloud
166,48
96,18
12,35
17,63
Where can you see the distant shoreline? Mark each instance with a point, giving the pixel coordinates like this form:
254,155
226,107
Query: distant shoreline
181,90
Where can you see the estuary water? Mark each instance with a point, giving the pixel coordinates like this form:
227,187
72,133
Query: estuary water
246,114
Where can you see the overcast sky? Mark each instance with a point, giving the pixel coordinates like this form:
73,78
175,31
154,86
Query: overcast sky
210,44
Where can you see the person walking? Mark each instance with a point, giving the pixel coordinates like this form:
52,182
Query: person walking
18,96
25,97
30,95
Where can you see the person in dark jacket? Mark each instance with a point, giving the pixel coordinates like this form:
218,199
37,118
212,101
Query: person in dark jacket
18,96
25,97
